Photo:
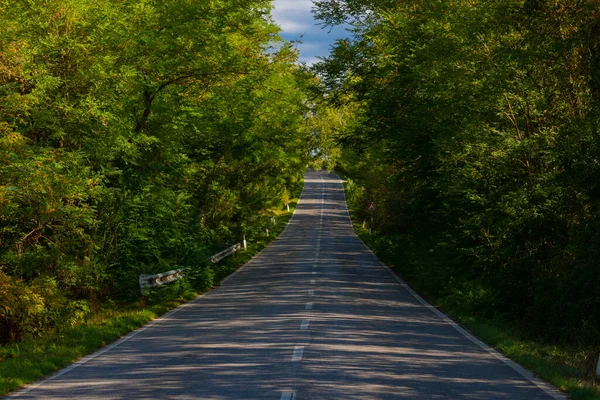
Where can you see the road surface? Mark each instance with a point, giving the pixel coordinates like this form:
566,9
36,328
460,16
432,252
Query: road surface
314,316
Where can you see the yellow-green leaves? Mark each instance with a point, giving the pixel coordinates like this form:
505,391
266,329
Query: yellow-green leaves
136,136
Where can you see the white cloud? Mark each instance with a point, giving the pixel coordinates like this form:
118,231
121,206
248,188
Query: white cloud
291,26
295,19
287,5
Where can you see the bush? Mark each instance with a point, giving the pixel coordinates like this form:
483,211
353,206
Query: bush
32,309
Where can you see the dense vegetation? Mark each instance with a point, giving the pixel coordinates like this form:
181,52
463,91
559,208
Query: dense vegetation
136,136
474,127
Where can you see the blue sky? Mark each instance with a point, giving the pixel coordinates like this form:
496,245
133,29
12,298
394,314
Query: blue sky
296,20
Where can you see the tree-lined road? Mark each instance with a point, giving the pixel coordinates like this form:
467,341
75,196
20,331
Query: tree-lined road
313,316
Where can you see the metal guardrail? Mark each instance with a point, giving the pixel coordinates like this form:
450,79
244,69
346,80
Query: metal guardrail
148,281
219,256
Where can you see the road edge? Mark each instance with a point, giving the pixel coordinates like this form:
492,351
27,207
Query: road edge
549,389
33,385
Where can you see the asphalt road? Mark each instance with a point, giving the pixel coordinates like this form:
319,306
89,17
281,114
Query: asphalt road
314,316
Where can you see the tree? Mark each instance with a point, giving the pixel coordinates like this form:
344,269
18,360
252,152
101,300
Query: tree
473,121
138,136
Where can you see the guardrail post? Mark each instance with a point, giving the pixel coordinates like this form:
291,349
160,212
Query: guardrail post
231,250
148,281
245,245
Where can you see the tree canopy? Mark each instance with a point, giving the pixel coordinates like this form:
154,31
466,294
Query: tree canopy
135,136
474,126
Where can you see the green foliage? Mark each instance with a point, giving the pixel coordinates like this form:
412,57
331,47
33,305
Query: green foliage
34,308
474,129
138,137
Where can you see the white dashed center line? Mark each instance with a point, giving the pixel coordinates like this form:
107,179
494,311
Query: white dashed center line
288,395
322,202
298,353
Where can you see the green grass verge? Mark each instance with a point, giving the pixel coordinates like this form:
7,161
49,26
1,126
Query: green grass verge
32,359
567,368
29,360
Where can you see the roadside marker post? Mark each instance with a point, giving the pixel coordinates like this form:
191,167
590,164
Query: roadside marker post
371,208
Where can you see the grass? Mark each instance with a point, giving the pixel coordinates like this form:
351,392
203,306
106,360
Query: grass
569,369
565,368
32,359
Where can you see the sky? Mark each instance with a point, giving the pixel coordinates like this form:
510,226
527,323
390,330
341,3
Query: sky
297,23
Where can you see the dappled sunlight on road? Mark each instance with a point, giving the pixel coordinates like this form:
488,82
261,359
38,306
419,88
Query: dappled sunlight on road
313,314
